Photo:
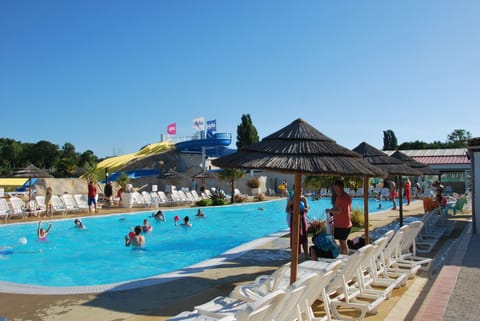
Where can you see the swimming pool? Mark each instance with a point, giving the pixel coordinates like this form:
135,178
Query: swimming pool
97,256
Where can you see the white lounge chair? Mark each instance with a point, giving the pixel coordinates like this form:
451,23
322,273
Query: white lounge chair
256,311
58,206
138,200
81,200
4,209
408,250
70,205
149,202
345,290
391,256
18,207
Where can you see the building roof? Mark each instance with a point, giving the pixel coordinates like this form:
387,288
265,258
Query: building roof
437,156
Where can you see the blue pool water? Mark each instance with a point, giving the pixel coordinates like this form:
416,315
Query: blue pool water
72,257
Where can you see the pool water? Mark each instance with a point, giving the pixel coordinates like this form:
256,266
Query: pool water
97,255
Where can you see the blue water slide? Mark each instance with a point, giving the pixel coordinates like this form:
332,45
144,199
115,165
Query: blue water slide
133,173
213,145
25,186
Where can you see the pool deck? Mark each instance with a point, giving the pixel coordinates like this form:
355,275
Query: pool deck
199,284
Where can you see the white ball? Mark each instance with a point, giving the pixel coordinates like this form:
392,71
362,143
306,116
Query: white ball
22,240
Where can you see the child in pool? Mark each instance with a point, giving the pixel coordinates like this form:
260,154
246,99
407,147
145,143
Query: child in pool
42,233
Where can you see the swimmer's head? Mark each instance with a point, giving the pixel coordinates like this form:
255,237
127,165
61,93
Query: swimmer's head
138,230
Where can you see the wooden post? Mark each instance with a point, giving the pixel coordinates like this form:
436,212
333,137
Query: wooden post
295,227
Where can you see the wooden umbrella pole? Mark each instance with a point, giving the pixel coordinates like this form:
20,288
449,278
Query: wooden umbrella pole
365,209
400,200
295,227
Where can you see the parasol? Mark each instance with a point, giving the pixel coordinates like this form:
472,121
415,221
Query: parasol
299,149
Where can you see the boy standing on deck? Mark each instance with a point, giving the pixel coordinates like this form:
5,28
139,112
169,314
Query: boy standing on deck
92,197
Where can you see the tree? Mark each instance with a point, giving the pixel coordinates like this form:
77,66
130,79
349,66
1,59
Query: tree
67,165
459,137
389,140
318,182
231,175
87,157
10,155
246,132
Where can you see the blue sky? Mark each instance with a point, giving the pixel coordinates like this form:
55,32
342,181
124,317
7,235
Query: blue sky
109,76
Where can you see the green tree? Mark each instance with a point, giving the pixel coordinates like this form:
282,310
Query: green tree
123,181
10,155
389,140
246,132
231,175
90,173
318,182
459,137
67,165
354,182
87,157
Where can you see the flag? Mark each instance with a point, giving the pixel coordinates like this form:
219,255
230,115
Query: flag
211,128
172,129
199,123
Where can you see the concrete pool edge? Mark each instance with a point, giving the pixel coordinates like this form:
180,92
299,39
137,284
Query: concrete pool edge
16,288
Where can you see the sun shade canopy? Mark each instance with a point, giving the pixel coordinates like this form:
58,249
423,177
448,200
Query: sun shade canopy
391,165
300,148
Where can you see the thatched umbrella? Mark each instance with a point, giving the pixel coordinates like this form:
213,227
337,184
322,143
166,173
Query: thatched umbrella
424,168
299,149
173,176
392,166
31,171
204,175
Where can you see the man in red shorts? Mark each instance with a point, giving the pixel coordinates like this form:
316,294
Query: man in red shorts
341,216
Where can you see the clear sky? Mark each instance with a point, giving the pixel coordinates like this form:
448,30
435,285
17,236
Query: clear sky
110,75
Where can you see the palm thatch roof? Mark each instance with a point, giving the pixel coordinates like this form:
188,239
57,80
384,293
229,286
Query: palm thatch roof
392,166
299,147
424,168
31,171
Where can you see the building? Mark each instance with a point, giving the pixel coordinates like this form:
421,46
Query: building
453,164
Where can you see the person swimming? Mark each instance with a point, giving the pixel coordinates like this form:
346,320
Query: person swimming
146,226
158,216
79,224
200,213
42,233
186,222
135,239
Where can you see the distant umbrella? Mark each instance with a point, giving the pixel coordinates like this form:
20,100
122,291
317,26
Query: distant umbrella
299,149
424,168
31,171
391,165
172,176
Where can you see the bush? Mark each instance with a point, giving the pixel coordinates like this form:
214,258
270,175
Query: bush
358,220
218,201
204,202
253,183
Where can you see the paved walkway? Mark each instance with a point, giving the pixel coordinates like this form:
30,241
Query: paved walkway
456,292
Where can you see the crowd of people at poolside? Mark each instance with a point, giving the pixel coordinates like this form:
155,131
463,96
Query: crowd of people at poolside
337,226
